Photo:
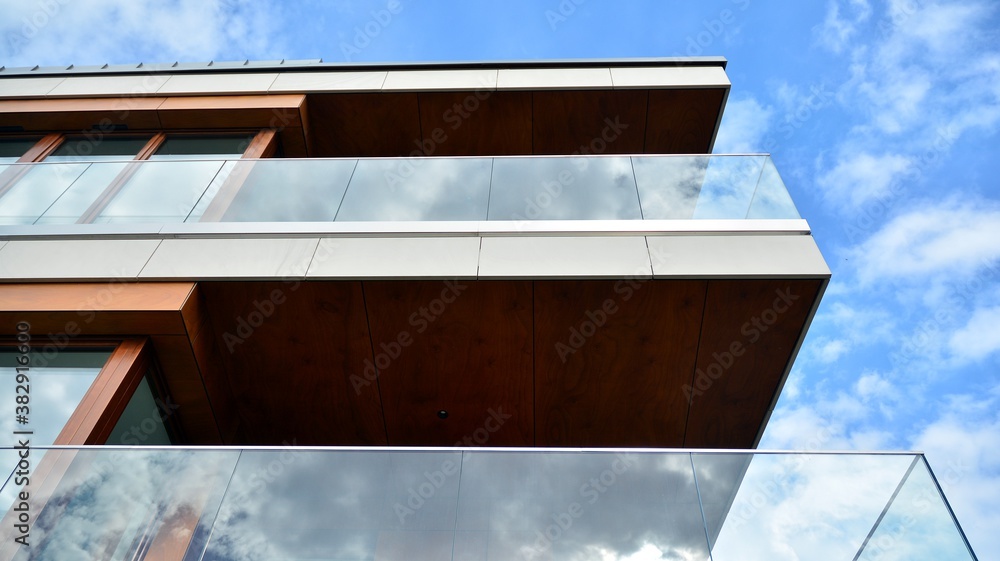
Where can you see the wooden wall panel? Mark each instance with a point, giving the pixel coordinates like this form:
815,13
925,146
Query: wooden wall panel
231,111
364,124
207,355
84,309
682,121
604,122
751,328
137,113
616,384
185,385
477,123
473,360
290,368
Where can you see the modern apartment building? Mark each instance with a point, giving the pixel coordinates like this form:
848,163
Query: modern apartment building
298,310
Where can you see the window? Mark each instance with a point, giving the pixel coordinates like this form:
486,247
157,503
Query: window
83,179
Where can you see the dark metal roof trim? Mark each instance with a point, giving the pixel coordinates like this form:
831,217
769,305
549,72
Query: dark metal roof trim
315,65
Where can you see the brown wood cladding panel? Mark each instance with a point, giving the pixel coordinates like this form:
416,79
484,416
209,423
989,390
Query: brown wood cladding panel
255,111
85,322
364,124
476,123
750,330
682,121
209,359
565,122
290,373
115,296
473,361
80,114
185,385
84,309
620,383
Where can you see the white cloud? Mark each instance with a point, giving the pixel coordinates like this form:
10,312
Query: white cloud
60,32
837,30
829,351
743,127
873,386
979,337
953,237
860,176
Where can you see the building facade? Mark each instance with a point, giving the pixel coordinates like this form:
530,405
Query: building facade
463,311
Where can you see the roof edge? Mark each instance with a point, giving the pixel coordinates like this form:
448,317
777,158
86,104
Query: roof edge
214,67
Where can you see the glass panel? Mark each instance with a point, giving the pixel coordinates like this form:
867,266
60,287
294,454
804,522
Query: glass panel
11,149
75,201
917,526
771,199
213,189
796,506
564,189
37,190
729,186
432,505
418,189
141,424
97,148
161,192
116,504
202,147
580,506
291,190
669,186
484,505
361,512
57,383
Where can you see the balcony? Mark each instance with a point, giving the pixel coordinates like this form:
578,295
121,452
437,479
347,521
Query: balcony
512,194
225,504
612,300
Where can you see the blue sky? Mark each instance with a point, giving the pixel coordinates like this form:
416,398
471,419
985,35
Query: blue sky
882,117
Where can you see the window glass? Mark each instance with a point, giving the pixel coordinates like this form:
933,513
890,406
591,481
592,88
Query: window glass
141,424
57,382
97,147
202,147
11,149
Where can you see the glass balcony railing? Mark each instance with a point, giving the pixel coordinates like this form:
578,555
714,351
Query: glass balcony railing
477,504
392,190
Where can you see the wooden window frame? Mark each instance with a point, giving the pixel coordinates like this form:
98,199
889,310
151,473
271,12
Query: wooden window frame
92,423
